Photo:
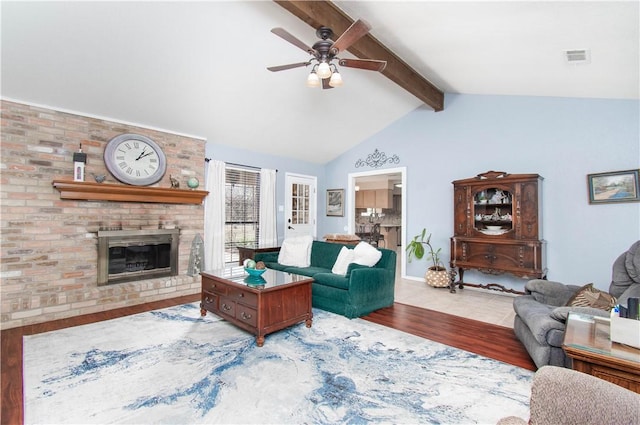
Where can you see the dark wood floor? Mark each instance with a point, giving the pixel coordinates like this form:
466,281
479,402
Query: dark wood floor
496,342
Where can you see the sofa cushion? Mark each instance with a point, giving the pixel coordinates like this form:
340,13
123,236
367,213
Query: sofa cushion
632,292
588,296
366,255
307,271
324,254
275,266
562,313
632,262
537,317
331,279
626,271
345,257
549,292
296,251
354,266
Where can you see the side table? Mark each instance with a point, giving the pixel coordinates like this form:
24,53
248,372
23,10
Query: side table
587,342
250,250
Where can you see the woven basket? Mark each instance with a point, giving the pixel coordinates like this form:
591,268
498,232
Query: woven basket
437,278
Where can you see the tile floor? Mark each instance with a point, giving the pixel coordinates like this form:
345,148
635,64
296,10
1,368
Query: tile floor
478,304
473,303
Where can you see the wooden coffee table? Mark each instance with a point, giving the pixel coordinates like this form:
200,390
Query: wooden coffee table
587,341
261,305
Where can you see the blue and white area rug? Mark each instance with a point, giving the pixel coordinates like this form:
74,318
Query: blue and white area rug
172,366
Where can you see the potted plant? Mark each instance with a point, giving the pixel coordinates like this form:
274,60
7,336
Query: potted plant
437,274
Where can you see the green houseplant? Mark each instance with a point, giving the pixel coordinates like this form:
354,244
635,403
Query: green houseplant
437,274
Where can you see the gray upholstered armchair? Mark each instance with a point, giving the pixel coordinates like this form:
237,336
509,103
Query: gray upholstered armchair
564,396
541,313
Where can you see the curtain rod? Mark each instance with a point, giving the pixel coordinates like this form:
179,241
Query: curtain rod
238,165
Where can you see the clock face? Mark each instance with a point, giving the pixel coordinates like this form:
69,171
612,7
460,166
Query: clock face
135,159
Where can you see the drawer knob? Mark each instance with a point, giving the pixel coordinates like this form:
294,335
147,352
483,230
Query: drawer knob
208,300
226,307
245,316
241,295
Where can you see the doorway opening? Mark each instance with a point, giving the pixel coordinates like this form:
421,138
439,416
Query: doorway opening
389,212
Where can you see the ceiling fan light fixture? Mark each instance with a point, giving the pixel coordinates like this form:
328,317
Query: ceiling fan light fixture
336,79
313,80
324,71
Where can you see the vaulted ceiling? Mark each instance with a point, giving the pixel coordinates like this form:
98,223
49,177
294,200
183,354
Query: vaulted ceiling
199,68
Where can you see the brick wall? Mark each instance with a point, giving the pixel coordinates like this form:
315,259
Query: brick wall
49,246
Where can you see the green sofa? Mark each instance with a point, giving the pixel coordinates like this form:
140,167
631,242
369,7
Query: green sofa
363,289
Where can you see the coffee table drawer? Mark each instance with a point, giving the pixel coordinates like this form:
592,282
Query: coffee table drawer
227,306
245,297
210,301
247,315
212,286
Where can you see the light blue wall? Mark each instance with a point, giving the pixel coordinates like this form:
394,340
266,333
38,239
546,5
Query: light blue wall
226,153
561,139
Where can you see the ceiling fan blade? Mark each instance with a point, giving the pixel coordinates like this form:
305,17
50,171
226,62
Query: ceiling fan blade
368,64
285,67
287,36
358,29
325,84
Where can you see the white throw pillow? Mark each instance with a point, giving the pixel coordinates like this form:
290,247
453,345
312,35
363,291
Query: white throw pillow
345,257
366,255
296,251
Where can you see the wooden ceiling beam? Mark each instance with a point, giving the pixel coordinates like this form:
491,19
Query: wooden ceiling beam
325,13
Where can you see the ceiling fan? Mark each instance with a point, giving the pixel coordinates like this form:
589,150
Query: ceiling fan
325,51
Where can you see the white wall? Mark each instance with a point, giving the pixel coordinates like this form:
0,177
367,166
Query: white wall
561,139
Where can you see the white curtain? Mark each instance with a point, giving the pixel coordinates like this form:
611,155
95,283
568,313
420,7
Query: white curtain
214,207
268,235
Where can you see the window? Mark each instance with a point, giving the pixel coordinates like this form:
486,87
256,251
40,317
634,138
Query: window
242,210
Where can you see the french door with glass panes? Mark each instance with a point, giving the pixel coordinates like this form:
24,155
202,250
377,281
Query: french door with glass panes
300,205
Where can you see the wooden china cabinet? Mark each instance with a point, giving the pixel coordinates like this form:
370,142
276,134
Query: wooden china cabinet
497,226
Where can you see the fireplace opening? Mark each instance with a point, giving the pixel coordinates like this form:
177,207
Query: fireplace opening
128,255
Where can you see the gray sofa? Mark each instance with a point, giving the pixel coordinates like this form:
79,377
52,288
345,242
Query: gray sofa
541,314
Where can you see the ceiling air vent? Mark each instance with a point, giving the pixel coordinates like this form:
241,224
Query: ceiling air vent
577,56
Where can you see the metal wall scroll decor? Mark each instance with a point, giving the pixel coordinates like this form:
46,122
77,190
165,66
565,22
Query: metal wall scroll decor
377,159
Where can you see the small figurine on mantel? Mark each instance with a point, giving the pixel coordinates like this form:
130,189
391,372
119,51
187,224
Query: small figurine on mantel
175,184
497,197
99,178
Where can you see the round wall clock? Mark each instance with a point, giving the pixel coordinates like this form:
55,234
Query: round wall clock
135,159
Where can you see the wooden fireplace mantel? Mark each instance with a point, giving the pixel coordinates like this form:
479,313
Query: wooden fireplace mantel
114,192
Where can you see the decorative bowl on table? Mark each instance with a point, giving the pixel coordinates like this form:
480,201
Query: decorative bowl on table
254,272
493,228
255,280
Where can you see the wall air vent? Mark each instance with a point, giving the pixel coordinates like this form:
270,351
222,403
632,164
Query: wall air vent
577,56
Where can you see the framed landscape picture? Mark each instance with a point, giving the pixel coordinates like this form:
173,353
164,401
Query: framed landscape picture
616,186
335,202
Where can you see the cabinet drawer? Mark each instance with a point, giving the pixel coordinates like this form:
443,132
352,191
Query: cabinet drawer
245,297
246,315
227,306
213,287
209,301
523,259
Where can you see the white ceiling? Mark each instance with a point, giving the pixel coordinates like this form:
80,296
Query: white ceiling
200,68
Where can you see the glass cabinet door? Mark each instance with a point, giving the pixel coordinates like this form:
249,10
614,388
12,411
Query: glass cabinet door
492,211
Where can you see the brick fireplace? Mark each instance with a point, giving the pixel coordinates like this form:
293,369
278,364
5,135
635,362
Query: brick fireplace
49,249
126,255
